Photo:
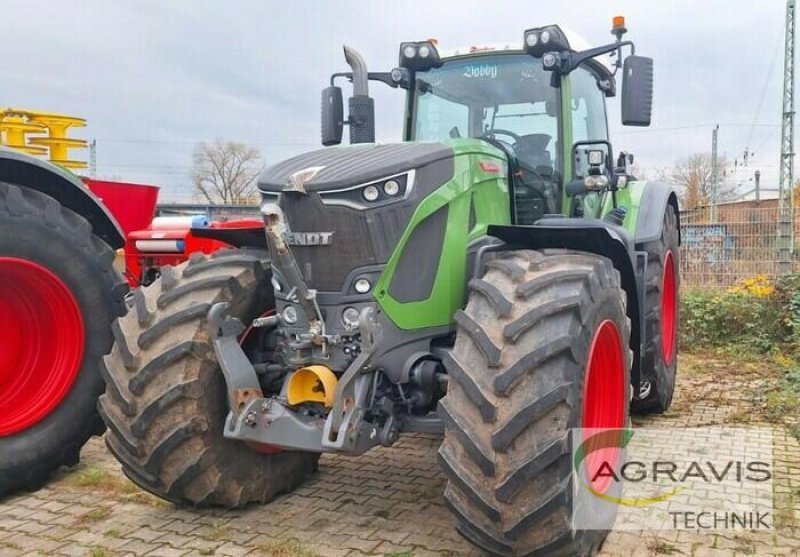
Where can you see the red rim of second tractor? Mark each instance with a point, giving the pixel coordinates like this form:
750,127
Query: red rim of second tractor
41,345
668,309
604,398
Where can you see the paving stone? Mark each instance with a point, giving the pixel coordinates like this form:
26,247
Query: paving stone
384,502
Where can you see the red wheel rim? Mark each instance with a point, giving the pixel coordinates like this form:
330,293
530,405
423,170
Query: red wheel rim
603,398
669,312
41,345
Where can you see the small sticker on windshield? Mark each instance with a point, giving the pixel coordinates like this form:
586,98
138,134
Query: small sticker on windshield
483,71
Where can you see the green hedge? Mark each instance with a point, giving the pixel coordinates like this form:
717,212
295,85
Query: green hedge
758,313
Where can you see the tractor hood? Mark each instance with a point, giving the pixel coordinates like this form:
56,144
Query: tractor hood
337,167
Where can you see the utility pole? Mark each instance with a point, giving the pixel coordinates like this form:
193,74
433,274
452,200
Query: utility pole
714,175
93,158
758,185
786,180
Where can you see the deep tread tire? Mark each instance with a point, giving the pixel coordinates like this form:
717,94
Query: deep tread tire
36,227
516,389
165,401
653,365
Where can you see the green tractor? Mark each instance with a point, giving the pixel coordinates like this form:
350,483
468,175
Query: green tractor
499,277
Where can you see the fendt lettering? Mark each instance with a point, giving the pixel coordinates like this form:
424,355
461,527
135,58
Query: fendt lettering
309,238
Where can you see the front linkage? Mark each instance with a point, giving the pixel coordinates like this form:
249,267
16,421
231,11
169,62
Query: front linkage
270,421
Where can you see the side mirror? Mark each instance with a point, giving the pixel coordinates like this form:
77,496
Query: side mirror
332,115
637,91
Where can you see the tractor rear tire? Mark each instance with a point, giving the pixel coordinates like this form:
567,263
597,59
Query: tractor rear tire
59,294
166,399
660,356
519,381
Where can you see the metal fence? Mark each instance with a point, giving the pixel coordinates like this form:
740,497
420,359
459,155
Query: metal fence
744,242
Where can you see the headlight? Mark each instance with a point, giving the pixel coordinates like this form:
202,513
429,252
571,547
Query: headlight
376,193
362,286
371,193
350,317
391,187
595,183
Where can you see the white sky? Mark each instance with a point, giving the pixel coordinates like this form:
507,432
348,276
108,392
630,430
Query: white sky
153,78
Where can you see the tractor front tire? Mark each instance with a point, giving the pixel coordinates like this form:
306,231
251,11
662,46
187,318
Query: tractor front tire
541,347
659,362
166,399
59,294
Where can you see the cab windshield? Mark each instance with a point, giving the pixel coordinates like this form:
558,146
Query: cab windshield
506,99
469,97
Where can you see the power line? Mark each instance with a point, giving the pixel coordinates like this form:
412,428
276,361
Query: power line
760,104
695,127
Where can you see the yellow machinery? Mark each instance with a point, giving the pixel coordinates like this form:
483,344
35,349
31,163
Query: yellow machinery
41,133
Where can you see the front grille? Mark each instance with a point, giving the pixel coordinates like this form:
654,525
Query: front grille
360,238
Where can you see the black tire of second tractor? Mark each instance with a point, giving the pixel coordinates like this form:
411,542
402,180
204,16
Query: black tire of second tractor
166,399
517,375
653,364
38,228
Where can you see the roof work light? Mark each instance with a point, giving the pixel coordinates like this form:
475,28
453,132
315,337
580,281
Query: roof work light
419,55
545,39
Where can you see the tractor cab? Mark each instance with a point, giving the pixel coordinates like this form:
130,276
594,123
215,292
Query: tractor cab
508,100
541,103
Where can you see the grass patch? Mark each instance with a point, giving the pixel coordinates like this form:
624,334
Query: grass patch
113,533
98,552
401,554
112,484
217,533
423,493
745,546
785,513
285,548
95,515
660,547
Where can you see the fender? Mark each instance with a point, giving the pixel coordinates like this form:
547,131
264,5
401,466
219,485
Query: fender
593,236
652,204
244,233
66,188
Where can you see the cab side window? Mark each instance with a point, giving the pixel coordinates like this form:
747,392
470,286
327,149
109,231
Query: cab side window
588,108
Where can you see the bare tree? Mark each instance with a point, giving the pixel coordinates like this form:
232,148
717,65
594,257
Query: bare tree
694,173
225,172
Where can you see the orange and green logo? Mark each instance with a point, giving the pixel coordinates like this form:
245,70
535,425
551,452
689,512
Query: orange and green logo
598,460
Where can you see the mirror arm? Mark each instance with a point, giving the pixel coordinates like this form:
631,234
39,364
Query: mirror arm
383,77
570,61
